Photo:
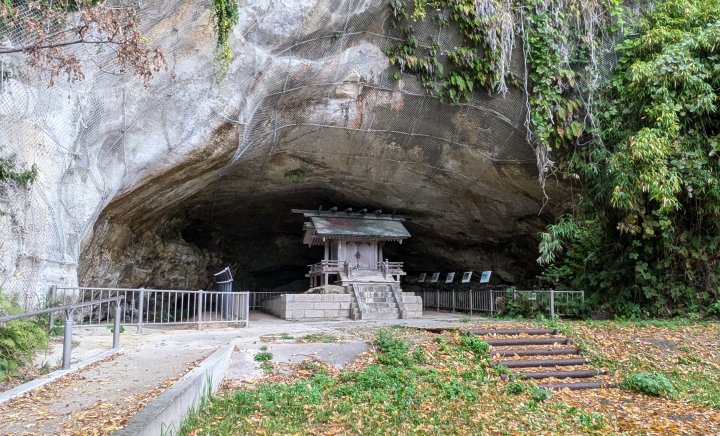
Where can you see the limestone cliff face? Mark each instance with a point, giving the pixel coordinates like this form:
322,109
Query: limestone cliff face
307,114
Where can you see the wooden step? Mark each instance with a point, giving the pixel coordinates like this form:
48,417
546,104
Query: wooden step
535,352
580,373
528,341
511,332
438,329
539,363
577,386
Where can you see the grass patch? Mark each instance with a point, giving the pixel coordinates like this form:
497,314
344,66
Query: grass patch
671,359
653,384
698,387
323,338
444,386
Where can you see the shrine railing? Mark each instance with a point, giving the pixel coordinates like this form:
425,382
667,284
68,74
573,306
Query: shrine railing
393,268
326,267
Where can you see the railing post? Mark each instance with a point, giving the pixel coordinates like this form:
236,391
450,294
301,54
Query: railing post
67,338
471,302
453,301
141,305
199,309
52,294
437,300
492,302
116,326
552,303
247,311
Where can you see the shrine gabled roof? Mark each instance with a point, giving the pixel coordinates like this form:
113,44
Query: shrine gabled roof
389,229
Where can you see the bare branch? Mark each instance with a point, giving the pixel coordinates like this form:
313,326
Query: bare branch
36,26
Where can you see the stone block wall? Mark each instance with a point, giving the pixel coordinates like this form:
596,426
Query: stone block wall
309,306
412,304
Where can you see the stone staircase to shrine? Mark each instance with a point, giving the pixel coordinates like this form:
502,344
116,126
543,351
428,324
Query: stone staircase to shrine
383,301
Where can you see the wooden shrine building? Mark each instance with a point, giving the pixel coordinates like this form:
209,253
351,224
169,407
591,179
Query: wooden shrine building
353,244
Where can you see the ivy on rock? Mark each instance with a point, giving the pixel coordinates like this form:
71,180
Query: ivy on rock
559,41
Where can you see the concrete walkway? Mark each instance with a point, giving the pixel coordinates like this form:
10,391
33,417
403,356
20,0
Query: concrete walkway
101,397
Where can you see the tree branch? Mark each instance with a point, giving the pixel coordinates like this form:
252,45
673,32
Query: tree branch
59,44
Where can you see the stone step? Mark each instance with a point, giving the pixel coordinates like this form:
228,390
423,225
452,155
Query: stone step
381,310
540,363
376,295
528,341
375,303
390,315
536,352
579,373
377,300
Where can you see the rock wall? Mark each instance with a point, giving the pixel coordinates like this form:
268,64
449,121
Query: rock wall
307,114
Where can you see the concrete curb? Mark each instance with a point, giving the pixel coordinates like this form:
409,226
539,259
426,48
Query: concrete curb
165,414
49,378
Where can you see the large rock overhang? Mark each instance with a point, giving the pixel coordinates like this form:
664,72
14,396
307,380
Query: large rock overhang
152,185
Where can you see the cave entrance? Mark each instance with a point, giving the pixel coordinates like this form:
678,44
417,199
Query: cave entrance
258,238
174,229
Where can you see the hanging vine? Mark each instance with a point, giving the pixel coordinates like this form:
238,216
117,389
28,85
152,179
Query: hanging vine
559,42
225,16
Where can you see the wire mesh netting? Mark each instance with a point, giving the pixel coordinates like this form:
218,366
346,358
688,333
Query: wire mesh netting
295,73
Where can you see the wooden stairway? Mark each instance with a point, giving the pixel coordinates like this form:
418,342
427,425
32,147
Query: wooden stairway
543,355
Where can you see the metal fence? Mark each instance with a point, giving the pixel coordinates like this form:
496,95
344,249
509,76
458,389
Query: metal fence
70,311
257,298
493,301
157,306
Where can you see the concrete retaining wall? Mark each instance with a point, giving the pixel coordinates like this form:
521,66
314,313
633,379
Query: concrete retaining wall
309,306
165,414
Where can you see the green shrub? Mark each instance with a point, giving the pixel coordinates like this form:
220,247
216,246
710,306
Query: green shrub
474,344
656,385
19,340
515,388
540,394
264,355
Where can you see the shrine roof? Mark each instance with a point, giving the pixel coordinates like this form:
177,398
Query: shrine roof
370,227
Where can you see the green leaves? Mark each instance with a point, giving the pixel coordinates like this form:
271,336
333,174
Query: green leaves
8,172
225,16
650,176
18,339
653,384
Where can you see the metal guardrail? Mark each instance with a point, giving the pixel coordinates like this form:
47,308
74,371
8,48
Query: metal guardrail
257,298
70,313
486,300
160,306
